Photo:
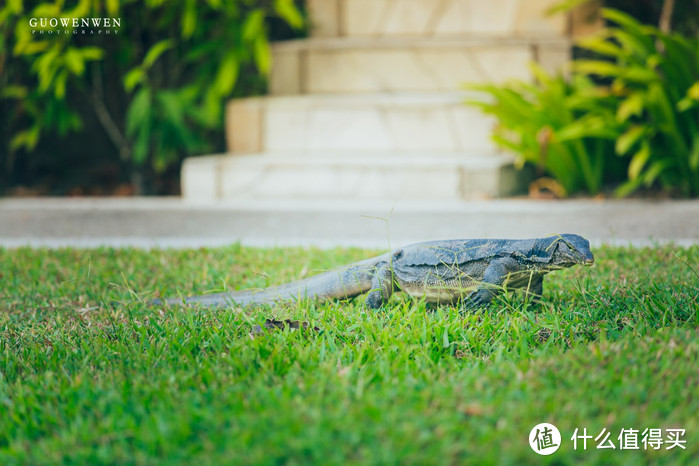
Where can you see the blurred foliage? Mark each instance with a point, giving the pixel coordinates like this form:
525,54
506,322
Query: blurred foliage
684,14
638,100
559,125
155,86
684,18
654,80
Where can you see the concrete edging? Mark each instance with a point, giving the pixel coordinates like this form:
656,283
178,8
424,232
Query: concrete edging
171,222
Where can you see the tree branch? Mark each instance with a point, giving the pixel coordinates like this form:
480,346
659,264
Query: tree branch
666,16
105,118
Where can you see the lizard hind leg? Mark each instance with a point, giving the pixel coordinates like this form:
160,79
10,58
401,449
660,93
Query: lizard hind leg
381,286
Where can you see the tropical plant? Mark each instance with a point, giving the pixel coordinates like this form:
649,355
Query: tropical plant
558,125
654,78
638,100
157,86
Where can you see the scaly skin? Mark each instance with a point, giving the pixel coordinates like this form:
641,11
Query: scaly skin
471,272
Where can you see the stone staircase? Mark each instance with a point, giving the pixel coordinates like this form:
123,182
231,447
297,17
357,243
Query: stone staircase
370,106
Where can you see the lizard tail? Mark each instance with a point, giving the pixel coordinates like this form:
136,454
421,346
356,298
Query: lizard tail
343,283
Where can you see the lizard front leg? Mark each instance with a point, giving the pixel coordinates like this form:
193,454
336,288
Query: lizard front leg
492,284
381,286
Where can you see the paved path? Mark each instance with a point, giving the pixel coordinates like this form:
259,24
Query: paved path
171,222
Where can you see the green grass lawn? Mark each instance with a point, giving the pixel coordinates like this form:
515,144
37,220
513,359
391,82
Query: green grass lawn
90,373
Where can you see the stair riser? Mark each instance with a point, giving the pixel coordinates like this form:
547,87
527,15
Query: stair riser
234,178
357,18
420,68
274,124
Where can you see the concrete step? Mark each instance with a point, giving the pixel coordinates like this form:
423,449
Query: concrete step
364,65
359,122
417,176
387,18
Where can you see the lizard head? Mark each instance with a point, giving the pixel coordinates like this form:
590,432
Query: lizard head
571,250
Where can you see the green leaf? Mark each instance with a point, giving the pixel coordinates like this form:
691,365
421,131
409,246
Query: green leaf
47,10
227,75
601,44
622,19
82,9
627,140
92,53
45,67
638,161
655,170
641,75
628,187
14,6
691,99
74,61
59,87
211,107
587,126
141,145
287,10
189,19
33,135
26,139
133,78
686,104
156,51
139,111
694,154
112,7
598,67
30,48
253,25
693,91
631,106
611,70
14,92
173,107
564,5
262,54
540,74
677,49
637,45
18,141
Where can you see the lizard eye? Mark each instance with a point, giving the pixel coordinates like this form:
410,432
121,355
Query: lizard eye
566,250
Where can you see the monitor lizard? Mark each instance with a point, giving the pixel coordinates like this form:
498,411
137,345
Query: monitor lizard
468,271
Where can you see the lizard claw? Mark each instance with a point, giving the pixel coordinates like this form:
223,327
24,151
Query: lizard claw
476,300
